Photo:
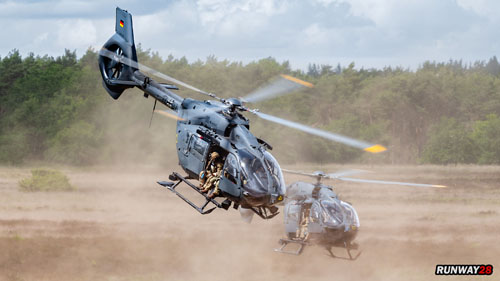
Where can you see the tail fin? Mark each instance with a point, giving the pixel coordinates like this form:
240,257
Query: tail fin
116,76
124,26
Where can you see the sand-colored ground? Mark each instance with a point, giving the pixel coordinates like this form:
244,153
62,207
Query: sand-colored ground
121,225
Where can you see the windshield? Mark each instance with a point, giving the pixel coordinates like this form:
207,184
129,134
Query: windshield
332,213
351,214
276,174
255,175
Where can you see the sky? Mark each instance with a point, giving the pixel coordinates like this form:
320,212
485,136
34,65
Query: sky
370,33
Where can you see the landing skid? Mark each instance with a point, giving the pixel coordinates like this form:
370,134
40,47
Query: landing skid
302,243
171,186
348,248
285,242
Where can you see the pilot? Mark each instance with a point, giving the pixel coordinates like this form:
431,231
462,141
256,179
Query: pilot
209,170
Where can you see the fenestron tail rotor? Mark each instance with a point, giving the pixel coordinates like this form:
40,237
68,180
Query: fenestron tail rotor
115,68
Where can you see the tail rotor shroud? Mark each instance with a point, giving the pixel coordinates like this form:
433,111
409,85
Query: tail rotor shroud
116,75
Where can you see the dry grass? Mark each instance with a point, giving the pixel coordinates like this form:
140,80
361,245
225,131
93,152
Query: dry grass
121,225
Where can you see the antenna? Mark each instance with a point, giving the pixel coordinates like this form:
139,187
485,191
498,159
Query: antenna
152,113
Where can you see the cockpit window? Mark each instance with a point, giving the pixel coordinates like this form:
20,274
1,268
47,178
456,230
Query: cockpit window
255,175
276,174
231,168
332,210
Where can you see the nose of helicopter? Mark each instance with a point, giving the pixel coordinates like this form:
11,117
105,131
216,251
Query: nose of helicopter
277,198
262,201
263,183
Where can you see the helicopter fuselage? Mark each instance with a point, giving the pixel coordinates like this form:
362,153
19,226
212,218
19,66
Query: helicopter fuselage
314,212
208,126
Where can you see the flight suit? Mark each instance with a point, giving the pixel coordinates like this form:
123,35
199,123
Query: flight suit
302,232
217,181
209,170
213,179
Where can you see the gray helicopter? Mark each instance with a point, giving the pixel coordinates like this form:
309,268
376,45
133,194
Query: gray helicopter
249,176
314,214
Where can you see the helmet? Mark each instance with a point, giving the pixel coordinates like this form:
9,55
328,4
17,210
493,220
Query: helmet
214,155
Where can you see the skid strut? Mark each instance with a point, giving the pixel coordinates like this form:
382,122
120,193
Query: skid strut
171,186
264,214
348,248
285,242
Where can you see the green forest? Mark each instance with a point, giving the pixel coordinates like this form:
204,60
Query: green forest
55,110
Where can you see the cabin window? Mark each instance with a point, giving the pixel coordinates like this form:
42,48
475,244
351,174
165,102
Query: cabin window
200,146
189,141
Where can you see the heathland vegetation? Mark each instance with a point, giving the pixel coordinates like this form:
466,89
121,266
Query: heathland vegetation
55,110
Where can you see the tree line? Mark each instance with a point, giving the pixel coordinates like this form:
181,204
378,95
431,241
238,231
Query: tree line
56,110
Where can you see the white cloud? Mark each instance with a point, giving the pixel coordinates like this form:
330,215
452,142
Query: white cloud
231,17
76,34
485,8
370,32
378,11
41,39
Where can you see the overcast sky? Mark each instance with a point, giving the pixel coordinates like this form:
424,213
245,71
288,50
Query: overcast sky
372,33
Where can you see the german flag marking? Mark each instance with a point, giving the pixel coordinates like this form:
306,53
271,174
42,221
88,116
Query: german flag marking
121,23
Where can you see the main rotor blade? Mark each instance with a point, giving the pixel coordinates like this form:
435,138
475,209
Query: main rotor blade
338,176
373,148
391,182
283,85
299,173
169,114
327,176
345,173
134,64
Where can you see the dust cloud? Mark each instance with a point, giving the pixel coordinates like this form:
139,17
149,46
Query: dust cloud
121,225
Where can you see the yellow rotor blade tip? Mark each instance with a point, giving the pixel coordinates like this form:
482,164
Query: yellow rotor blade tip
439,186
298,81
375,149
169,115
